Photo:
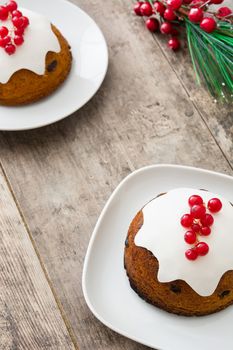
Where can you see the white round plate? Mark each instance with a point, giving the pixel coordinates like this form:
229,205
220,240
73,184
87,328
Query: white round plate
106,287
90,62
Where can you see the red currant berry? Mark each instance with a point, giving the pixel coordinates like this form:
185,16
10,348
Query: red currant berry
207,220
4,41
146,9
3,13
18,40
159,7
186,220
202,248
137,8
208,24
166,28
216,2
205,231
195,200
224,11
19,31
11,6
190,237
25,21
152,24
198,211
174,4
195,15
174,44
3,32
18,22
17,13
169,14
10,49
196,228
214,205
191,254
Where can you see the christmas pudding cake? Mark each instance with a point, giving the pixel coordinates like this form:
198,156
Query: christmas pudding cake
35,58
179,252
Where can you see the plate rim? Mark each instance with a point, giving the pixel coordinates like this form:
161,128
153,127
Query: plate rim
96,228
55,120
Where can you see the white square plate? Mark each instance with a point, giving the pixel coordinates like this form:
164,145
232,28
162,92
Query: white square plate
106,287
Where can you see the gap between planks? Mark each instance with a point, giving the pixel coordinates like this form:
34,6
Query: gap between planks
57,301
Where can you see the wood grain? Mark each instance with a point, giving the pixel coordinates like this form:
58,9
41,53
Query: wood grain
63,174
29,315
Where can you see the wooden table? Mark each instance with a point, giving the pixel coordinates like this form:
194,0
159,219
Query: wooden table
55,181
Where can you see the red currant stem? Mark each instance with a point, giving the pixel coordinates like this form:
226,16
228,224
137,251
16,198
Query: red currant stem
205,3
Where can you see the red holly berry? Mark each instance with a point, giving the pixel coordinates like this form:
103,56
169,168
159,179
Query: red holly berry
224,11
195,200
208,24
207,220
216,2
17,13
166,28
18,22
19,31
11,6
202,248
159,7
214,205
18,40
196,228
198,211
174,44
3,32
186,220
152,24
25,21
195,15
4,41
169,14
190,237
174,4
191,254
206,231
146,9
10,49
137,8
3,13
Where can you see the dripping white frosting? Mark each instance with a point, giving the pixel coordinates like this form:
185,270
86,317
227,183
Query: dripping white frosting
39,40
163,235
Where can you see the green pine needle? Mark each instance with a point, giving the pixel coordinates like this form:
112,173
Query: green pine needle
212,57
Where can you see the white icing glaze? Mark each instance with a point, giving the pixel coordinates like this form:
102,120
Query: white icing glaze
163,235
39,40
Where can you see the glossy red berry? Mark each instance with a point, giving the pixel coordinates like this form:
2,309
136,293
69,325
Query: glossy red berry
18,40
3,13
205,231
25,21
195,15
216,2
19,31
174,4
195,200
11,6
224,11
4,41
17,13
208,24
186,220
10,49
169,14
198,211
18,22
196,228
152,24
191,254
159,7
146,9
137,8
190,237
3,32
174,44
166,28
207,220
202,248
214,205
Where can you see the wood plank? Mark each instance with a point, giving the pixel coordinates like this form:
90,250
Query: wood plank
63,174
29,315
